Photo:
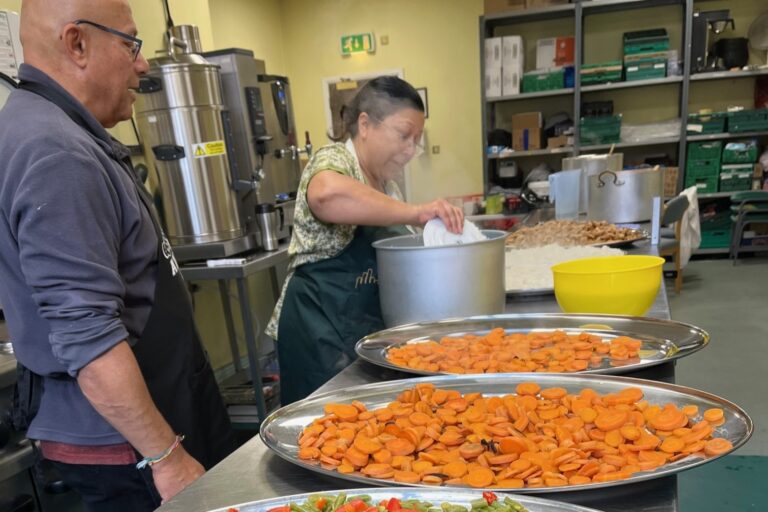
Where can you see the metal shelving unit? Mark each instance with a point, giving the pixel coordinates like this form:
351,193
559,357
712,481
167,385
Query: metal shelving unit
533,152
715,195
634,83
650,142
722,75
578,11
719,136
531,95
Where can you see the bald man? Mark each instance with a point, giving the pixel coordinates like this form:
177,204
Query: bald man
114,381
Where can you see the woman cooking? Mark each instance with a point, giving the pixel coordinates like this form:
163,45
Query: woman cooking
346,200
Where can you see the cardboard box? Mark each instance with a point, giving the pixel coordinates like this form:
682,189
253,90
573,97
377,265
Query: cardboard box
542,4
497,6
493,67
511,65
526,131
564,51
670,181
560,141
545,52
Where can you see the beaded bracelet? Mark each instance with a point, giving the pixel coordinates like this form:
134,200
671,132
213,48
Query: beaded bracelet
151,461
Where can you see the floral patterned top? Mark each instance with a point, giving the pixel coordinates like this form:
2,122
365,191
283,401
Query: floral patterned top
313,240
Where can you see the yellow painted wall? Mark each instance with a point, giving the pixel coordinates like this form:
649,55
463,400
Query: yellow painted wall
435,42
256,25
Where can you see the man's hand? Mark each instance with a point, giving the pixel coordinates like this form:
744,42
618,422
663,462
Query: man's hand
174,473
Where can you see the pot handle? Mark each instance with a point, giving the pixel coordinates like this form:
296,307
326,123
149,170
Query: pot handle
616,181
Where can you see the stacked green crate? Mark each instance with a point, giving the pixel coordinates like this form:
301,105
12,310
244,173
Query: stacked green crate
702,167
716,230
645,54
738,160
601,73
710,122
544,80
748,120
600,130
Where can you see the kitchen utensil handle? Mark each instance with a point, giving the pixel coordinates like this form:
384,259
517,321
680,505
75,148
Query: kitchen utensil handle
616,181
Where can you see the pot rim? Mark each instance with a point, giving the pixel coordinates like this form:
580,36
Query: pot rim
498,235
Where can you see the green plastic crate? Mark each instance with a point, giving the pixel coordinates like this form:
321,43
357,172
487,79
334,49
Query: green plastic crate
645,71
748,120
602,72
740,151
710,150
736,178
719,239
703,184
702,168
537,81
707,123
600,130
646,41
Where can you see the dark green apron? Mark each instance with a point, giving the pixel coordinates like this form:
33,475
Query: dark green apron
328,306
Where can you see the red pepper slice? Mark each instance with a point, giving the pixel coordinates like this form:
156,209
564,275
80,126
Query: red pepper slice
490,497
372,509
284,508
233,509
358,505
394,505
320,503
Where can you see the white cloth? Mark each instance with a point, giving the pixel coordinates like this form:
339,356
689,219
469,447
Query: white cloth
690,230
436,234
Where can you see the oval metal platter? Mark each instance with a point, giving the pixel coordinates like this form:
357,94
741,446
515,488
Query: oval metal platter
281,429
436,496
663,340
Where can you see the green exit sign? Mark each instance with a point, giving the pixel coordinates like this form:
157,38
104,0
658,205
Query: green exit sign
358,43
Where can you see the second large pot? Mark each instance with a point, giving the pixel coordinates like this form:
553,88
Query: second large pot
419,284
624,196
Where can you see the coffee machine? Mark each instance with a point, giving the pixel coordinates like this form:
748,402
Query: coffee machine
702,56
219,134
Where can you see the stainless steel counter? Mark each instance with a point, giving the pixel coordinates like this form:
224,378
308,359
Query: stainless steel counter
253,472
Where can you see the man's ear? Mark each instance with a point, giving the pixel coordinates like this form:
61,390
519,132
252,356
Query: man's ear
75,44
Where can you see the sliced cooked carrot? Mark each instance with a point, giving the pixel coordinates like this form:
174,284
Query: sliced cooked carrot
713,415
717,446
479,477
400,446
611,419
672,444
406,477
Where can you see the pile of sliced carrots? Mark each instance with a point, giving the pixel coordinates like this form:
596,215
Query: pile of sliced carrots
533,438
498,352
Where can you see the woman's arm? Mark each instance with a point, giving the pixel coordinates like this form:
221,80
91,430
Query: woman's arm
338,199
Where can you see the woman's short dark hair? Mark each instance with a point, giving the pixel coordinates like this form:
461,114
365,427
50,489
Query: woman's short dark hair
379,98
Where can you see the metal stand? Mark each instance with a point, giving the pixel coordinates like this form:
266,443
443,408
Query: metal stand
239,273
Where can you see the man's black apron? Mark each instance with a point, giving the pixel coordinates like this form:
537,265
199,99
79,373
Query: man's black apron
328,306
169,351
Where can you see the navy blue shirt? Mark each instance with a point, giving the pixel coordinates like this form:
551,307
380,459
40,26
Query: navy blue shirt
78,254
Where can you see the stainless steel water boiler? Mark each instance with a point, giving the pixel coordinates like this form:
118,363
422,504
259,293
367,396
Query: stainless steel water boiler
184,127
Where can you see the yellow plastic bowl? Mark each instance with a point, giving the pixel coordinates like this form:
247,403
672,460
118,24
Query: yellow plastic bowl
617,285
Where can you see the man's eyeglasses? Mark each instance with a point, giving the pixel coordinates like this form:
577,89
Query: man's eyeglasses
135,42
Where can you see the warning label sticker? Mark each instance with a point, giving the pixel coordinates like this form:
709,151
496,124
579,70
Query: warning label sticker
205,149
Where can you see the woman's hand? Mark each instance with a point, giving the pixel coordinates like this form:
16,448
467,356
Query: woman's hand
452,216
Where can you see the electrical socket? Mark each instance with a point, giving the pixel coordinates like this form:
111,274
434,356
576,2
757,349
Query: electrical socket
384,40
435,150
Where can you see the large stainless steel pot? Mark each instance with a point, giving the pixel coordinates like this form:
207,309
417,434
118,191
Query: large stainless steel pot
591,165
419,284
624,196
